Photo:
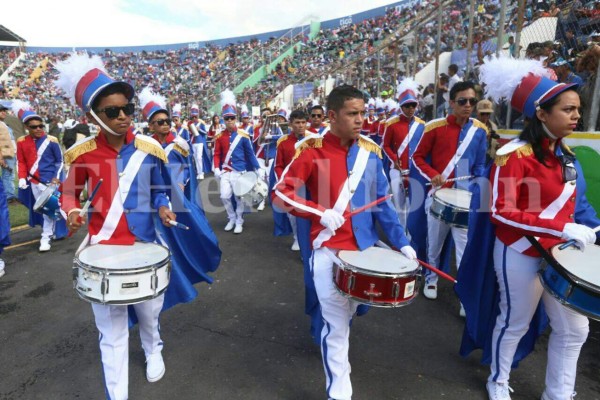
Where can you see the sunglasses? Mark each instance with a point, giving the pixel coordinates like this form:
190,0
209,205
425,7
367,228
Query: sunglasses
486,114
229,118
34,127
463,102
162,122
569,172
410,105
114,111
316,115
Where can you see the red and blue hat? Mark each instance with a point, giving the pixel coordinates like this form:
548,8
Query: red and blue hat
194,110
176,111
152,103
283,110
407,91
534,91
228,104
94,82
24,111
245,113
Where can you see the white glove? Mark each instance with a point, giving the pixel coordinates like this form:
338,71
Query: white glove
409,252
218,173
332,220
23,183
580,233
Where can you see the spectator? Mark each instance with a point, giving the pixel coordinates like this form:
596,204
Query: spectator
8,149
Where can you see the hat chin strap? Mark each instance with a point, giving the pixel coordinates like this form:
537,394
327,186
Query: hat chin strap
550,135
104,126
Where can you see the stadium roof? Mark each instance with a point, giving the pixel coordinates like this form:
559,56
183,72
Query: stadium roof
6,35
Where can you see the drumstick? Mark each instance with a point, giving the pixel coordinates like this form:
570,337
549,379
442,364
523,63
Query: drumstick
179,225
87,204
573,241
460,178
367,206
437,271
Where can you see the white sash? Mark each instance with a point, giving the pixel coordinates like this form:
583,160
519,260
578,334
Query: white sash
40,152
459,152
348,190
407,139
232,147
116,207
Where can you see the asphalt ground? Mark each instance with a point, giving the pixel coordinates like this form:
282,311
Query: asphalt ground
245,337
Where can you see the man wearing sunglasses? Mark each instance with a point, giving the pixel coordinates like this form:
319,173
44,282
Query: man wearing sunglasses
233,156
180,129
451,147
400,138
317,120
40,163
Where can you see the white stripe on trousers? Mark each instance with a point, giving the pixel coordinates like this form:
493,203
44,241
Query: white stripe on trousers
520,293
113,324
337,312
48,223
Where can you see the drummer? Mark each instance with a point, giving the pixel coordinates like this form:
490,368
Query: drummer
40,163
538,191
108,104
341,171
233,156
451,147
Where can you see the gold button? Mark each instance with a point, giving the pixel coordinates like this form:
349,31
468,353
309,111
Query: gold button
351,172
573,198
352,191
571,216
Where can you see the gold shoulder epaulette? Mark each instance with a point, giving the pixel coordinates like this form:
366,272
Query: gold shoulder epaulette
524,150
243,133
419,120
218,135
436,123
481,125
391,121
53,138
79,148
181,150
369,145
308,143
282,139
567,148
150,146
22,138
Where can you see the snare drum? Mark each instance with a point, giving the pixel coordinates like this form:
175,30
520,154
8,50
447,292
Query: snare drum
250,188
377,276
575,282
114,274
451,206
48,203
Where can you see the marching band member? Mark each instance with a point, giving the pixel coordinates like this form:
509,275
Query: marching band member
233,156
215,128
179,127
131,167
201,151
354,181
317,119
40,164
246,123
380,108
451,147
286,150
259,150
370,118
398,144
537,200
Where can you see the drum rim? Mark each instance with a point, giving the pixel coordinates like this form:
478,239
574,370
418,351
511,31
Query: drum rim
383,304
121,271
437,215
121,302
461,209
572,278
563,301
379,274
45,200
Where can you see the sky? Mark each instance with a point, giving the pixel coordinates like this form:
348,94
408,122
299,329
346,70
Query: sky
66,23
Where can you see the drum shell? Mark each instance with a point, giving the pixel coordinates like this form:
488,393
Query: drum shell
571,291
50,207
120,286
374,288
449,213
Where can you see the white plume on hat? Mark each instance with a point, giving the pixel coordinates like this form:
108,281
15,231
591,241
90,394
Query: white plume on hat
228,98
284,106
379,102
503,74
407,84
390,104
195,106
371,101
71,70
147,95
177,108
244,108
18,105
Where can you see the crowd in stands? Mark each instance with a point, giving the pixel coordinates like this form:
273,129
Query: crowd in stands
351,53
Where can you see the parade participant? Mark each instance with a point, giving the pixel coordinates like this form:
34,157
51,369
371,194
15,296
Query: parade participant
370,118
454,146
177,150
399,146
246,123
485,110
178,126
537,190
138,160
260,151
286,150
201,151
380,109
40,164
233,156
215,128
317,119
356,180
8,161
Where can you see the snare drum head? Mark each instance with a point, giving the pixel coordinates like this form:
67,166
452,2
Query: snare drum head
244,183
456,197
109,256
44,196
380,260
582,264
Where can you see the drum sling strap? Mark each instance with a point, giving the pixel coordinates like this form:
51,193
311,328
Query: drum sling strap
232,147
545,255
404,144
40,153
